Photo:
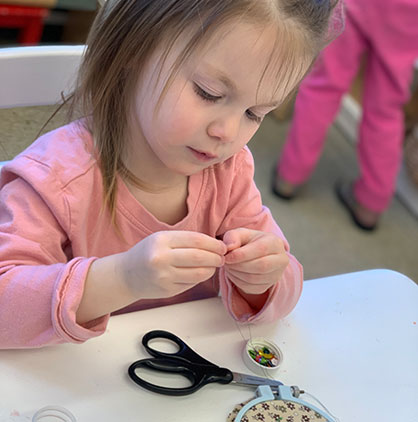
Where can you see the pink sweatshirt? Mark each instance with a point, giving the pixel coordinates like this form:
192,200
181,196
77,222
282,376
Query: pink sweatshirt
53,226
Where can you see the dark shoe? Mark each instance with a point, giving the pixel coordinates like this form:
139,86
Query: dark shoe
364,218
281,188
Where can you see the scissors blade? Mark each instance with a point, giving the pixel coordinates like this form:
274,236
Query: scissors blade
244,379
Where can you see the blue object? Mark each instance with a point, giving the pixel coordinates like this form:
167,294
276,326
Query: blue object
265,393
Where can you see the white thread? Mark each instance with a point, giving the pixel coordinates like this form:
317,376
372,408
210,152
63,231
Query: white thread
57,412
323,406
269,376
242,335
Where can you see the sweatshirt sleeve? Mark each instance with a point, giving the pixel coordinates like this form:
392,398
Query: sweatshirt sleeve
245,209
41,285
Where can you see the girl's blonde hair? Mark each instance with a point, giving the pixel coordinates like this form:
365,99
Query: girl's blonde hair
126,32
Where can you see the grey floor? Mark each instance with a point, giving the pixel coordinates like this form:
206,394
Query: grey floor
318,229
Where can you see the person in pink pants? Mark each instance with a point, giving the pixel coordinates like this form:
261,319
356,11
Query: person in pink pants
386,32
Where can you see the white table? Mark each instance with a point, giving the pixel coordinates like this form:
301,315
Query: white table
352,341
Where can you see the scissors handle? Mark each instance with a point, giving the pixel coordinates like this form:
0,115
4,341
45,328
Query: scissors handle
199,375
185,352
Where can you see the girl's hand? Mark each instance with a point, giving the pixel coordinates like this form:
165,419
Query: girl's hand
255,260
167,263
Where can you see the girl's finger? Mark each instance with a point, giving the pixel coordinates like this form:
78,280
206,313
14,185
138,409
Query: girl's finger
238,237
264,265
253,286
260,247
190,239
193,258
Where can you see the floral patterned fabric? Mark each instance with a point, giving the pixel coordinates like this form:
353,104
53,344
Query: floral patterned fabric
277,411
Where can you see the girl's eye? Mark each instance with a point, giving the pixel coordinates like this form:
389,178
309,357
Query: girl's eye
205,95
254,117
213,98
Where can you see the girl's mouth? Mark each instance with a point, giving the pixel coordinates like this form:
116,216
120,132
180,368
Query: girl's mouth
202,156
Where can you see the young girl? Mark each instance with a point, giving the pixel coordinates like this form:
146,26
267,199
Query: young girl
148,199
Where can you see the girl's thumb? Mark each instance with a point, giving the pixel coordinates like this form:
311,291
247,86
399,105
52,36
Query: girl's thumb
231,240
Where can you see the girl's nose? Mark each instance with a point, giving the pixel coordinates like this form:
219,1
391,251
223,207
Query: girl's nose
224,129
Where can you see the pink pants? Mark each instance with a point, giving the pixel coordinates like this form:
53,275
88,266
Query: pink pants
386,31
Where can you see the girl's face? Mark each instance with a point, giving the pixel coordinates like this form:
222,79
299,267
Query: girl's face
210,111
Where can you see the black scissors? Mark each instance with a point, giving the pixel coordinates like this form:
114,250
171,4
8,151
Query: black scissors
190,365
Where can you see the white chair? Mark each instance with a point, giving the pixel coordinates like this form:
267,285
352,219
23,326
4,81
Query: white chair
32,76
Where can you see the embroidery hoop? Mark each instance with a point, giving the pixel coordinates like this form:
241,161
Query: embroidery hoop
264,394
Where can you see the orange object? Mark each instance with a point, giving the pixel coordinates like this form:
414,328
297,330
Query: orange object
30,21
